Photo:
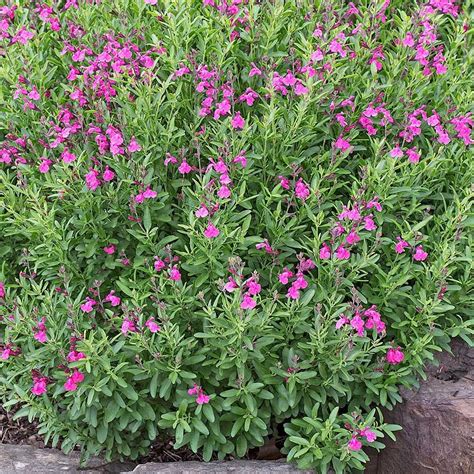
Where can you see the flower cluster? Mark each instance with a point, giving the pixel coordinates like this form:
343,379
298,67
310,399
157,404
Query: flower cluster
297,278
346,233
362,320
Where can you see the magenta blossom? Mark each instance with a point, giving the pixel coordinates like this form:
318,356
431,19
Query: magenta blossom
301,190
39,385
152,326
128,326
110,249
395,356
369,435
184,167
238,121
354,444
74,356
202,211
248,302
88,306
175,274
342,253
211,232
231,285
201,398
420,255
112,299
324,252
401,245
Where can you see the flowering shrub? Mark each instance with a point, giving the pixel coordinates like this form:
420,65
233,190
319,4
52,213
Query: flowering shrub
221,217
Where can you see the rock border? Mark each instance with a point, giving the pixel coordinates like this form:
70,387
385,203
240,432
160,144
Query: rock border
25,458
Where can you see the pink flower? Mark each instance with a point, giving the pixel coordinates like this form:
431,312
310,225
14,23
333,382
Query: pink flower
109,250
342,253
175,274
151,2
369,223
284,182
149,193
413,155
249,96
370,436
44,165
238,121
284,276
354,444
224,192
324,252
420,255
202,399
231,285
255,71
170,159
241,159
88,306
300,89
184,167
92,181
248,302
41,336
253,287
39,386
293,292
112,299
300,283
159,265
74,356
401,245
211,232
301,190
2,290
342,144
358,324
77,376
395,356
266,246
67,156
108,174
222,108
133,146
128,326
352,238
22,36
69,385
342,321
5,353
152,326
396,152
202,212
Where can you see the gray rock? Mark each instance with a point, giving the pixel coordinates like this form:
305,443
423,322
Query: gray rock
241,467
25,458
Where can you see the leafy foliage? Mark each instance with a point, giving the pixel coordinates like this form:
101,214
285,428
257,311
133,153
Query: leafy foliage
220,217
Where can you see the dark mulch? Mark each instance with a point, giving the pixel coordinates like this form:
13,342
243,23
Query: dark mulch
18,431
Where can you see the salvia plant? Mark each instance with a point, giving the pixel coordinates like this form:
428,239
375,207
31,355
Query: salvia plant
219,218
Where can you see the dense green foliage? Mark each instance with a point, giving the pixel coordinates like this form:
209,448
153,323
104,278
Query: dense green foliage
290,250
